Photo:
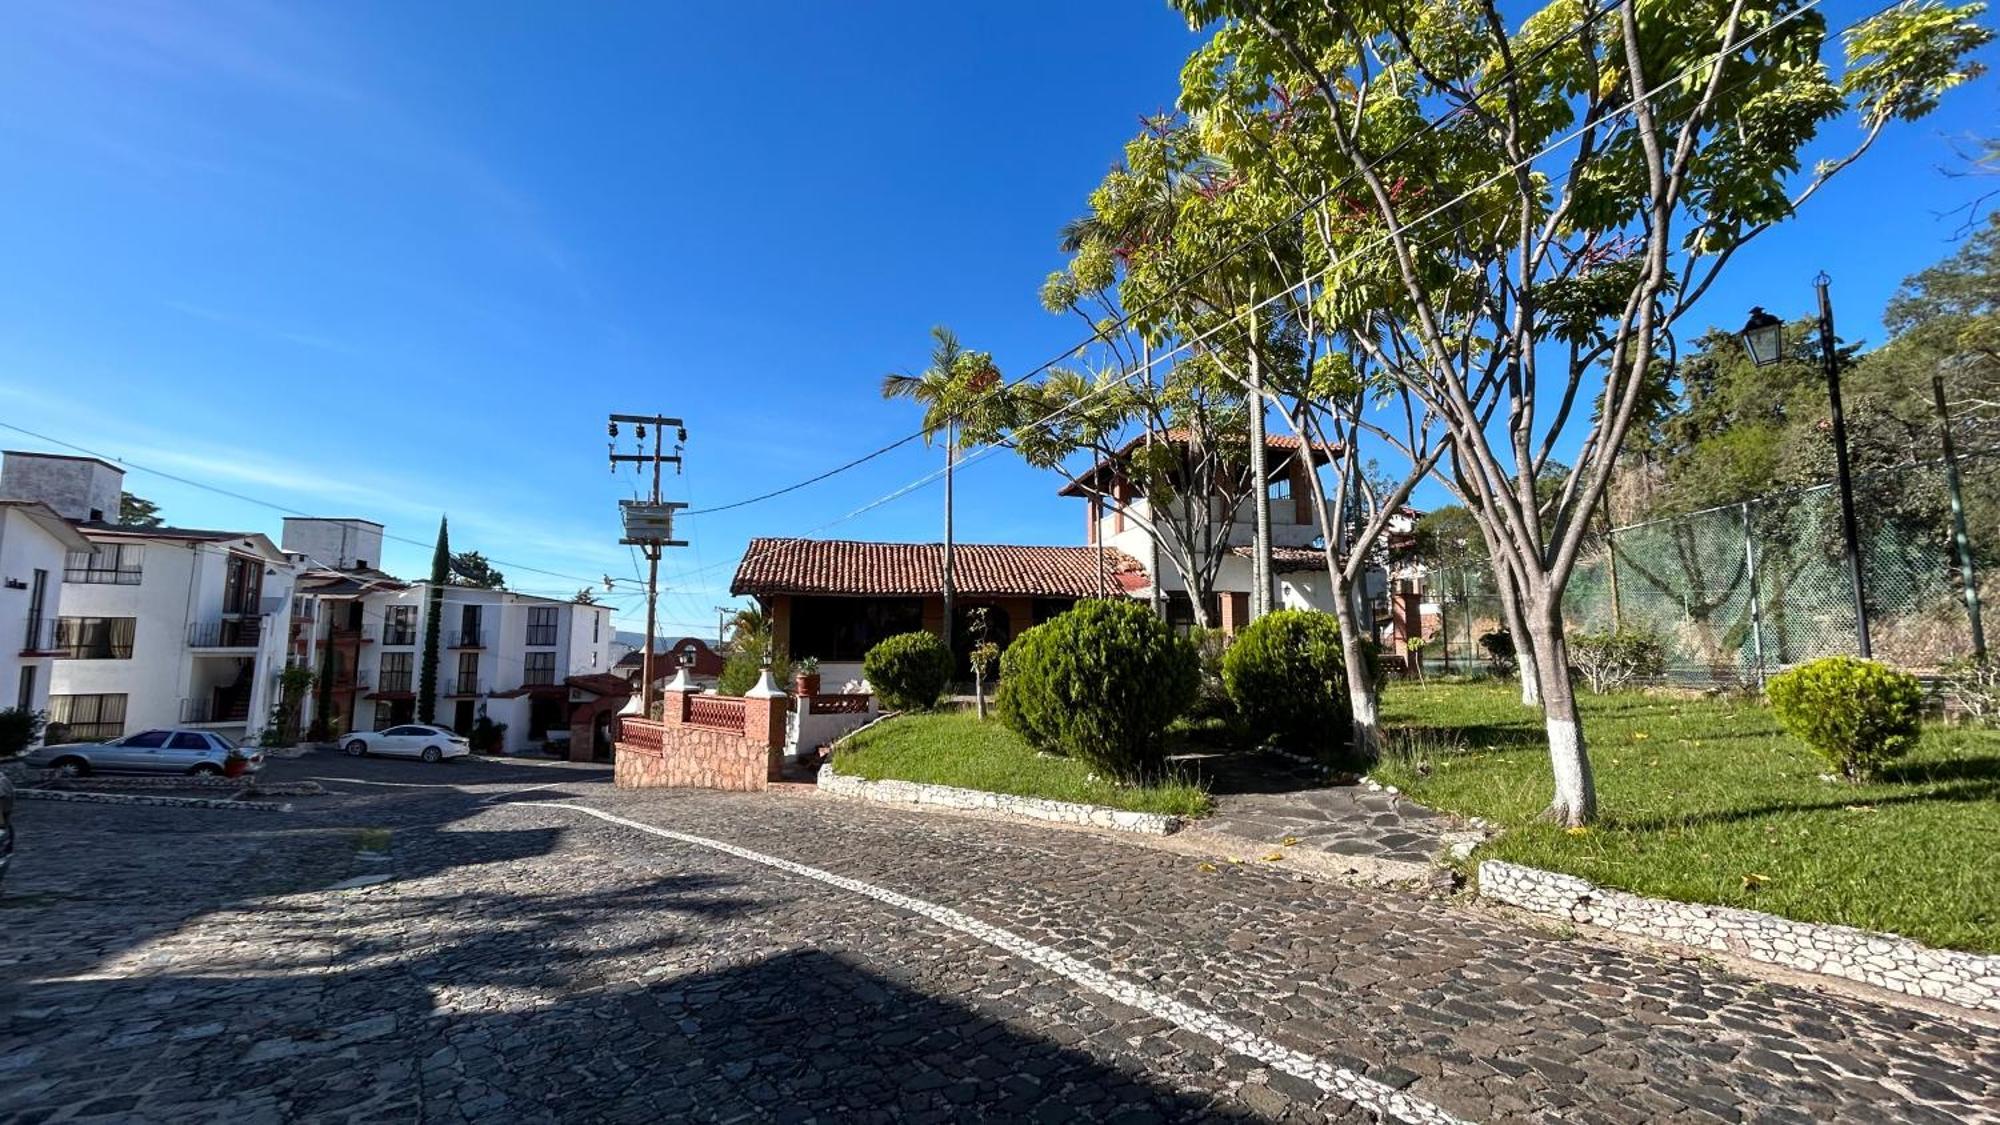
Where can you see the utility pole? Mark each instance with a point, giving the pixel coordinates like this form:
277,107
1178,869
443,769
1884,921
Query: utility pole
649,524
1961,543
1829,358
721,625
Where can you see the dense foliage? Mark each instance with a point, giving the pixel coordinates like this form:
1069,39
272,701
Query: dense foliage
909,671
1857,714
1100,683
1286,676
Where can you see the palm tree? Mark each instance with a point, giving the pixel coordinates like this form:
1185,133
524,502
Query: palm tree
932,389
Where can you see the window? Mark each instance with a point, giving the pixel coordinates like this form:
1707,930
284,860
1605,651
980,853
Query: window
538,668
596,627
468,626
399,625
395,671
846,628
85,718
468,674
27,696
146,739
242,584
188,740
95,638
542,626
1281,487
384,714
37,599
111,564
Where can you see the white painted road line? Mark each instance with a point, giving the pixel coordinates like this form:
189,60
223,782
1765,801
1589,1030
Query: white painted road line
1367,1092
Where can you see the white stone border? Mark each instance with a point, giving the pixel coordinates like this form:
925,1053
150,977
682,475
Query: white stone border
1969,980
849,787
163,802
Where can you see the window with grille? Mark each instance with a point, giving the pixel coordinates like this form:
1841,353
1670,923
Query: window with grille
95,638
542,626
538,668
399,625
85,718
395,671
111,564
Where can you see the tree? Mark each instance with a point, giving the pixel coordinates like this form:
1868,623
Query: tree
137,511
954,377
472,569
1499,282
427,676
585,596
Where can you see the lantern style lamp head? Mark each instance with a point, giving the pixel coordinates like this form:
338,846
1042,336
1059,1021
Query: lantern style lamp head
1763,337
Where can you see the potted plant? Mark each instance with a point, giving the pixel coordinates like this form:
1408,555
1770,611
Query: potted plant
487,736
805,677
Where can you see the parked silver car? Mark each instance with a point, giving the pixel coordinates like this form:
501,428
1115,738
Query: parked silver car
150,751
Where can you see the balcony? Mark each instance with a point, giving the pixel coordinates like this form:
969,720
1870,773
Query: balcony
399,635
220,710
365,634
228,633
466,638
393,682
466,687
41,638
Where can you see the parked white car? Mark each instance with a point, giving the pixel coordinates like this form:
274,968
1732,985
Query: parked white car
410,740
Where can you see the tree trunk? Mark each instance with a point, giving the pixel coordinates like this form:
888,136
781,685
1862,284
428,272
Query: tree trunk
1524,642
945,583
979,689
1365,746
1260,497
1575,802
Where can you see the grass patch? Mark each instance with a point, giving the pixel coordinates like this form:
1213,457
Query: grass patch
372,840
955,748
1707,800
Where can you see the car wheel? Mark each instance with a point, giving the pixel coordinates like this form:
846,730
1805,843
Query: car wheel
433,754
70,767
206,769
357,749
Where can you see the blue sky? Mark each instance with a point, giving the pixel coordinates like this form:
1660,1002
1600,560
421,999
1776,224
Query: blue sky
400,260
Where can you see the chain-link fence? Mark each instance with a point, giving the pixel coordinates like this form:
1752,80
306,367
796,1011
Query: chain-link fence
1744,590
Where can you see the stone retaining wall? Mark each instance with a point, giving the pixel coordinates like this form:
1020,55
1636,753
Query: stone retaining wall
974,800
1898,964
677,755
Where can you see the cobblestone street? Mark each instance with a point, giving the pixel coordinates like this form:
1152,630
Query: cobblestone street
539,946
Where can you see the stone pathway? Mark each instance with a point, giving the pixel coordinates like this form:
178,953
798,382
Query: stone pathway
441,944
1265,800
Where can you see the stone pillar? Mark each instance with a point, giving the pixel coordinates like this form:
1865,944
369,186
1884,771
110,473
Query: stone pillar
764,708
674,696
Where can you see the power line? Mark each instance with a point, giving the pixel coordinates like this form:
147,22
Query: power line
1123,320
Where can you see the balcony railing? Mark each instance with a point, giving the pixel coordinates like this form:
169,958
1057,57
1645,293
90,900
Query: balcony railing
466,638
227,633
463,686
228,709
363,633
41,637
399,634
393,681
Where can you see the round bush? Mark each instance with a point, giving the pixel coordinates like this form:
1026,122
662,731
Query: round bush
1856,714
1100,684
1287,678
909,671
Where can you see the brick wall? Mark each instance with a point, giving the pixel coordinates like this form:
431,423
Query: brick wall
677,753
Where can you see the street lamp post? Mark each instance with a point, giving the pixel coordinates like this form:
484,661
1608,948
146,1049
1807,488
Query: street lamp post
1763,338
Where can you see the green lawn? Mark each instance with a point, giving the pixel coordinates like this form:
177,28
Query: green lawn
1708,801
955,748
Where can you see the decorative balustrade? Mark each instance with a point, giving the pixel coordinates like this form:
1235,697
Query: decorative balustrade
840,704
716,712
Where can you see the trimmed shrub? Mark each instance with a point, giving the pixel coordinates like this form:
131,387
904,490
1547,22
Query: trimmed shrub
19,728
1609,661
909,671
1856,714
1289,682
1500,651
1100,684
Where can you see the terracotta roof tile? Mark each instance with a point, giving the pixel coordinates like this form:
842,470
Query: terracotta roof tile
835,566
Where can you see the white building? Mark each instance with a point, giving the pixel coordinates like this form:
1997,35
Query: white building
159,626
501,655
35,543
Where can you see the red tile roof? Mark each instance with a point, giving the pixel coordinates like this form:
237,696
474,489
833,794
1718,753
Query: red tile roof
836,566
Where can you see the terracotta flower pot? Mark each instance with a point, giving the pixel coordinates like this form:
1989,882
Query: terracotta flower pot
807,684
